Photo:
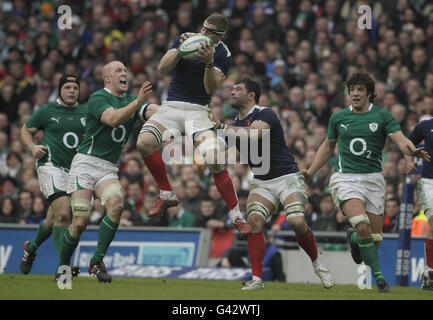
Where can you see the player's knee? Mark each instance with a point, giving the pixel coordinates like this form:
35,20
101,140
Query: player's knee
62,218
298,225
81,207
113,193
115,204
256,216
363,230
256,222
215,168
146,144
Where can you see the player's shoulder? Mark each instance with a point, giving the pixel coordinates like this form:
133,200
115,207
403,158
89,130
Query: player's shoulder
101,93
81,108
259,110
223,50
49,106
341,113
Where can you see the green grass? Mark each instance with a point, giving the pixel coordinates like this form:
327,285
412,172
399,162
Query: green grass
18,286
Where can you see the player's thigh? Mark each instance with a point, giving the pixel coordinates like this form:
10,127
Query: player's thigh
211,149
52,180
169,117
425,195
50,219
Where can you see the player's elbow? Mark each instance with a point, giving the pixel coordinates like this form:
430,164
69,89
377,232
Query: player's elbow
162,68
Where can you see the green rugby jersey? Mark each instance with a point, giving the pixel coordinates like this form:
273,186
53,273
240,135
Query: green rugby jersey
361,138
101,140
63,129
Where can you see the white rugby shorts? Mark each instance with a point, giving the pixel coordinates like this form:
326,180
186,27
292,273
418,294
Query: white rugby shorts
278,189
88,171
183,118
368,187
425,195
52,179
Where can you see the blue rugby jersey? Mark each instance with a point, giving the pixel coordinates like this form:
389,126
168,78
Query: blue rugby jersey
424,131
282,162
187,82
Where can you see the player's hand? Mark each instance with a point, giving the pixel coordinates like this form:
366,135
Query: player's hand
307,175
411,167
419,153
185,36
206,53
144,92
39,151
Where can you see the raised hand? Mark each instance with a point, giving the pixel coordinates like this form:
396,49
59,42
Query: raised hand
144,92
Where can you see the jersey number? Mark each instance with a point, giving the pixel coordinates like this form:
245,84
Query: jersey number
122,135
65,140
362,151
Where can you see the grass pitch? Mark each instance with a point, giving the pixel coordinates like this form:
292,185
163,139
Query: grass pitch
43,287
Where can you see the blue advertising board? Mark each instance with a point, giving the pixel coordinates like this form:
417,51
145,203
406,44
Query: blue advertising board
144,246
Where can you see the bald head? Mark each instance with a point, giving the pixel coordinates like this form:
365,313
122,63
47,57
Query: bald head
115,77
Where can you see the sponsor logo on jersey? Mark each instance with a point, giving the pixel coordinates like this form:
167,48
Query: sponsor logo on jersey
374,126
344,126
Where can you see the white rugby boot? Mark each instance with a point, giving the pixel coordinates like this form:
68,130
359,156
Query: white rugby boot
324,274
254,284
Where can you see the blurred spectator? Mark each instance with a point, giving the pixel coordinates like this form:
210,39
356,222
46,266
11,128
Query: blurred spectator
326,220
209,217
9,188
8,210
25,205
192,201
392,213
39,211
180,218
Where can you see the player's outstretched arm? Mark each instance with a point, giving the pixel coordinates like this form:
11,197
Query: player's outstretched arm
38,151
169,61
407,147
114,118
325,152
410,164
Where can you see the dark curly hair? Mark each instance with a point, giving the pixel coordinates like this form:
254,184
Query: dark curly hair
364,80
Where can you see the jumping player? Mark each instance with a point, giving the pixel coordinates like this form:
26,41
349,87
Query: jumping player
63,124
357,186
186,110
424,131
110,116
283,183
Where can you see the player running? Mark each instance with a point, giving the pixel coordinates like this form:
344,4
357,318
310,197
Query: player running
111,113
357,186
63,124
186,110
283,183
424,131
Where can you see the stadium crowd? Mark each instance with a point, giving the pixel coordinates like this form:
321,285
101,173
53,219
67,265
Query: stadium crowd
301,52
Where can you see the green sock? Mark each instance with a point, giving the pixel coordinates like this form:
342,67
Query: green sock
106,233
370,257
354,238
41,235
58,234
68,244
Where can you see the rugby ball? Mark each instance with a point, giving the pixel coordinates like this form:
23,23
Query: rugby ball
189,48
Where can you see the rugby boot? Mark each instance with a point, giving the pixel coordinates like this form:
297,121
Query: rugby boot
382,286
324,274
239,221
354,248
26,263
166,199
254,285
98,269
427,280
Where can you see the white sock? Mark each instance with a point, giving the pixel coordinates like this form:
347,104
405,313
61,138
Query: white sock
257,278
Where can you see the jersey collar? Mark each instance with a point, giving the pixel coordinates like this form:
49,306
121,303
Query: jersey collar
369,107
59,102
249,112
